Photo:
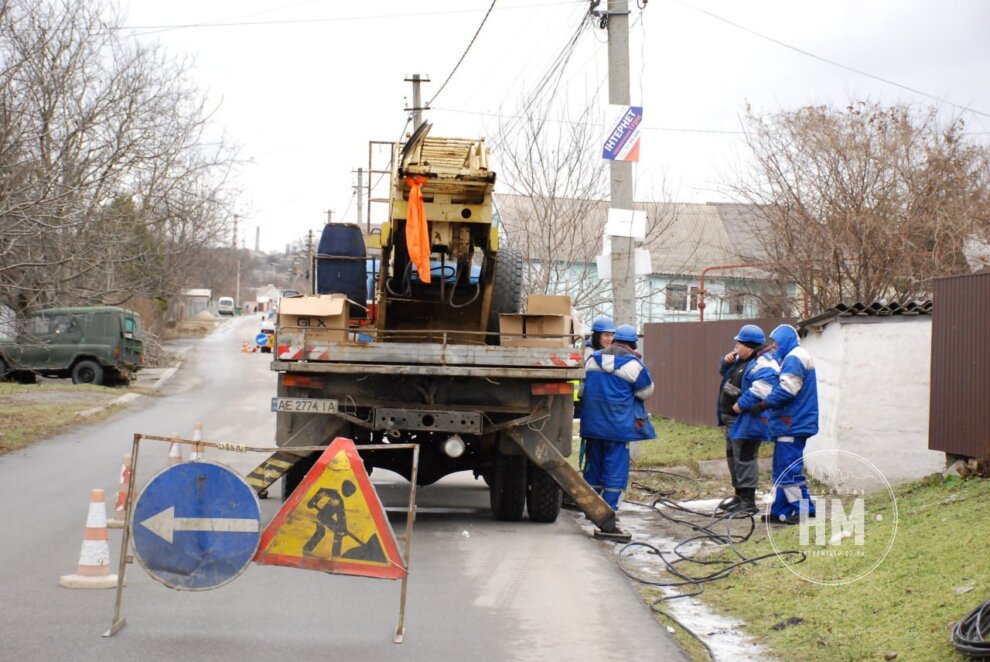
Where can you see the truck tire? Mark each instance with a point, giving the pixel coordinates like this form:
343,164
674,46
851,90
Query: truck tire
87,372
507,290
508,489
543,496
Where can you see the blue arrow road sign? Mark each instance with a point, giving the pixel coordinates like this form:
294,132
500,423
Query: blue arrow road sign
261,339
196,526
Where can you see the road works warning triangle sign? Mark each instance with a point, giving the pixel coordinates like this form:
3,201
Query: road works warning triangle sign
334,522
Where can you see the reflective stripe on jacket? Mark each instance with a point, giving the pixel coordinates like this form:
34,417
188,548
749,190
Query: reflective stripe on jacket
616,384
757,383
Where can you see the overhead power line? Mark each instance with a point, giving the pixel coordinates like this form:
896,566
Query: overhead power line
572,122
329,19
820,58
464,54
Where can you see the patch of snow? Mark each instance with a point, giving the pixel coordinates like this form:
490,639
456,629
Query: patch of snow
726,636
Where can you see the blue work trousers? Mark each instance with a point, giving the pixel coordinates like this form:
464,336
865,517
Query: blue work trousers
790,489
606,469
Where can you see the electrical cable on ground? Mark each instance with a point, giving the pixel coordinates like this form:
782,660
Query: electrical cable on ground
704,524
969,635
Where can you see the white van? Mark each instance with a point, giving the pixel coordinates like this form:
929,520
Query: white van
225,306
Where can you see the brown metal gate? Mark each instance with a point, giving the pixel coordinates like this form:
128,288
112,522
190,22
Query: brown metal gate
959,422
683,359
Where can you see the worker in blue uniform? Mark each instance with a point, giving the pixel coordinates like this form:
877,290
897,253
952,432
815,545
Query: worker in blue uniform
616,386
748,375
602,333
792,413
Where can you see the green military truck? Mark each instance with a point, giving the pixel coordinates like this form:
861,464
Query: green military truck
92,345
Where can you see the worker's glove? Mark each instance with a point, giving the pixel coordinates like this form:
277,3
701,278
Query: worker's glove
758,408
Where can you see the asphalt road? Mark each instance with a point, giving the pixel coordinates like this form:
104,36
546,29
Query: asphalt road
478,589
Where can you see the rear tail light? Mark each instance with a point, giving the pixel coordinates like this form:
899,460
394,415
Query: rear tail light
303,381
555,388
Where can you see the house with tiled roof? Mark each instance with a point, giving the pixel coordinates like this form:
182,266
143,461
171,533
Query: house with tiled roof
561,237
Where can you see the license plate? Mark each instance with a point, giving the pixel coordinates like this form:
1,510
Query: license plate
304,405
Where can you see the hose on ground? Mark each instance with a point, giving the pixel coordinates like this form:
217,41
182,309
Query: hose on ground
969,635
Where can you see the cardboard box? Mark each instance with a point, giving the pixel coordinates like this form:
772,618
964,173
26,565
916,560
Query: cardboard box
525,330
548,304
312,320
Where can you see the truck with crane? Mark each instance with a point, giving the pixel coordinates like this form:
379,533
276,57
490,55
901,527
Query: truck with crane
411,349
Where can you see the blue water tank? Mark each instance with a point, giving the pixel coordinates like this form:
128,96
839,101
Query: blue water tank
341,265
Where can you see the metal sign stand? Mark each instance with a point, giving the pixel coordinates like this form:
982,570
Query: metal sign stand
119,622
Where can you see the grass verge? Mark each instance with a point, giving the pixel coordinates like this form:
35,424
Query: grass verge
30,412
937,571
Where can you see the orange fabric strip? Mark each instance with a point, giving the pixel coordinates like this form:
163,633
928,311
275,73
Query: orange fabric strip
417,232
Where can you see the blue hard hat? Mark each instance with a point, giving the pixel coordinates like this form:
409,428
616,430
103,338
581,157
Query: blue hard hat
751,333
603,325
626,333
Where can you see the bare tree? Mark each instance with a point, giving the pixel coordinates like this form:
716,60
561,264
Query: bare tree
864,203
108,181
557,206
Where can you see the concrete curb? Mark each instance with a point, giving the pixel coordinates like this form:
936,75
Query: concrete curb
124,399
166,376
719,468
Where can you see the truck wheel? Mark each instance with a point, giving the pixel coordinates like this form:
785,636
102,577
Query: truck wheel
508,490
543,496
87,372
507,289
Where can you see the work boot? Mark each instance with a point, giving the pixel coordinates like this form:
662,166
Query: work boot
747,502
727,505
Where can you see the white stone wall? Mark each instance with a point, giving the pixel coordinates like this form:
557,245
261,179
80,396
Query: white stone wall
873,384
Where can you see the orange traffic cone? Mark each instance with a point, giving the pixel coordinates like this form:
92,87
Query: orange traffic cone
175,451
197,449
94,557
120,507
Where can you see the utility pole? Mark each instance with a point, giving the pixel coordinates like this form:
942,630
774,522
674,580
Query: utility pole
310,266
417,107
329,216
233,243
359,190
257,239
620,172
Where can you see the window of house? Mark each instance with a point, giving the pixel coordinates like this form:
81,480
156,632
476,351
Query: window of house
736,302
682,297
675,297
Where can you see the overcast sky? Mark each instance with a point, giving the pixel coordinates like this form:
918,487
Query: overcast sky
303,85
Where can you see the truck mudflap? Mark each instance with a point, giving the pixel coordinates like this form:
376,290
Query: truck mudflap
542,452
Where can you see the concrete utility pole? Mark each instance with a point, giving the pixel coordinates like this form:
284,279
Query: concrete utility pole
417,107
257,239
329,216
359,190
620,172
233,242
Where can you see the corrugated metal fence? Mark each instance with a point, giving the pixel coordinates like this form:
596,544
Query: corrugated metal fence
683,360
959,422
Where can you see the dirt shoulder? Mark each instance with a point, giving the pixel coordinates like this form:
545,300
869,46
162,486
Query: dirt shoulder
31,412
